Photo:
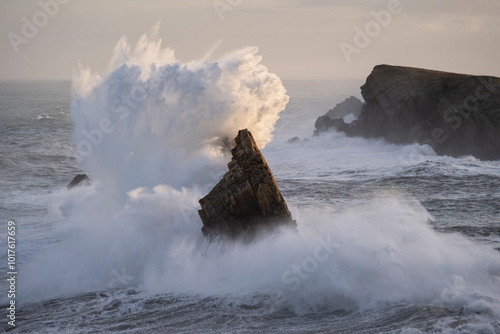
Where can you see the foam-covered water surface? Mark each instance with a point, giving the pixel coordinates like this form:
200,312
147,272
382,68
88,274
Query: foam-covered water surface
391,238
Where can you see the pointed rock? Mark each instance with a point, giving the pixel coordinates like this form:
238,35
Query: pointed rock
79,180
246,202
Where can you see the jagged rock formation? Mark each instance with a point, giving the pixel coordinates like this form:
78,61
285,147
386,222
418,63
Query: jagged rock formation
456,114
247,201
79,180
351,105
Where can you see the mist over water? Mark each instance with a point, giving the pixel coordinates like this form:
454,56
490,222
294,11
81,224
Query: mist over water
153,133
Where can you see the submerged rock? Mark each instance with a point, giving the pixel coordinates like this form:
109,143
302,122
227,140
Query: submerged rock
456,114
246,202
79,180
297,140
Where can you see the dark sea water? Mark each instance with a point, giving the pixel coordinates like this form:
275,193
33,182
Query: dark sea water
413,239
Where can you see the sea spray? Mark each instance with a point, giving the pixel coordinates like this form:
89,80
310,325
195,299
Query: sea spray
137,227
152,119
153,133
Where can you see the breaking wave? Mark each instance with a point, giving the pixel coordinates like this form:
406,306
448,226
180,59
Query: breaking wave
152,132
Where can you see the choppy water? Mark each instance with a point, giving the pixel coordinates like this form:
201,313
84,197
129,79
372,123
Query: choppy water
414,237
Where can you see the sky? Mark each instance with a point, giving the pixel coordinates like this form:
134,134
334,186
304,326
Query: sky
298,39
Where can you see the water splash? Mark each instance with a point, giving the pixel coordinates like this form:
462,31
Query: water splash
152,133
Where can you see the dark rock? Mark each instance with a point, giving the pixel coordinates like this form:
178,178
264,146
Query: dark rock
351,105
456,114
79,180
246,202
297,140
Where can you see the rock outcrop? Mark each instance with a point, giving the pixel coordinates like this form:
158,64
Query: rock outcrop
246,202
456,114
351,105
79,180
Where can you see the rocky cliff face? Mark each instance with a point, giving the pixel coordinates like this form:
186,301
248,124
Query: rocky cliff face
247,201
456,114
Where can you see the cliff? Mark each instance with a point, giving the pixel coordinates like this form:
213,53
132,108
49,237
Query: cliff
456,114
247,201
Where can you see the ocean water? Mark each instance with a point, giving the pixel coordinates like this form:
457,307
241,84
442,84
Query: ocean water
392,239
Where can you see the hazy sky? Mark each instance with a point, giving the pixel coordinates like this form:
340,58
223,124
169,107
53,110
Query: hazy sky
298,39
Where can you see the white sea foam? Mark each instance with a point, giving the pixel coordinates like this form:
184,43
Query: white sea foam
151,119
137,224
381,252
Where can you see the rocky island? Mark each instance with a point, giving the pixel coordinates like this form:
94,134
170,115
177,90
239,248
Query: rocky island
246,203
456,114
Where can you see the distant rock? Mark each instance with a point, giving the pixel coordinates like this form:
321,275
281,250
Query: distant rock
297,140
351,105
246,202
456,114
79,180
